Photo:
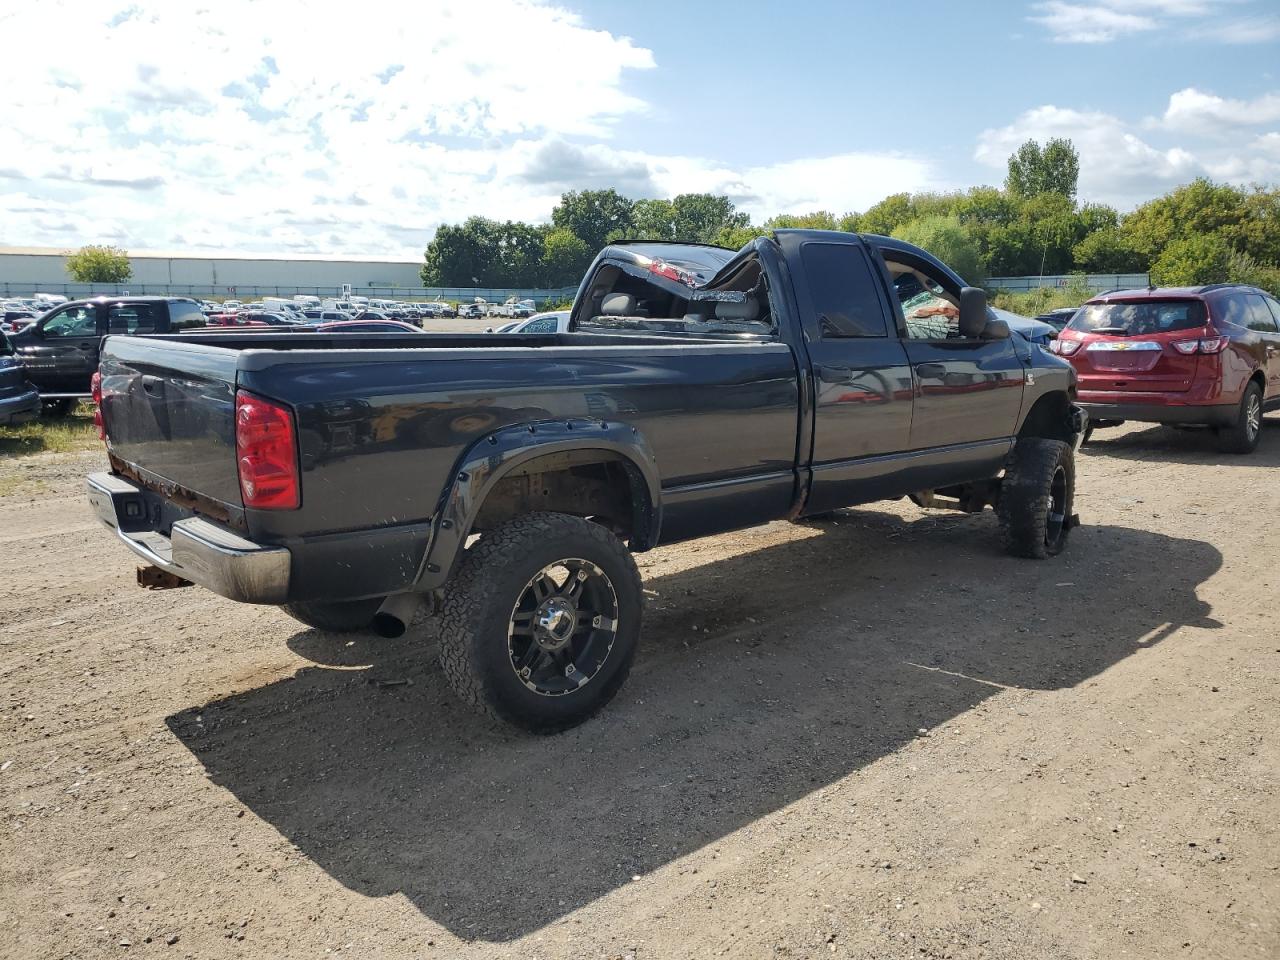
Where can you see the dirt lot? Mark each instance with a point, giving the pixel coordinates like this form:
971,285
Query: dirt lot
876,737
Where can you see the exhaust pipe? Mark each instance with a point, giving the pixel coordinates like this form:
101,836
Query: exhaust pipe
395,614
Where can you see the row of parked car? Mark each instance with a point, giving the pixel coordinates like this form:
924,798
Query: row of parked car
1204,356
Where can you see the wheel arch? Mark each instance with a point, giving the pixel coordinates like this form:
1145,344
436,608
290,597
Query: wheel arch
571,466
1050,418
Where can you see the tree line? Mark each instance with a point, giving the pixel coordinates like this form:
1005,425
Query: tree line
1202,232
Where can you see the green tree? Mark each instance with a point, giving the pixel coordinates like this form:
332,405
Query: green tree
99,264
817,220
699,217
1188,261
1200,207
887,215
1033,170
518,255
1108,251
651,220
594,215
462,255
565,257
947,239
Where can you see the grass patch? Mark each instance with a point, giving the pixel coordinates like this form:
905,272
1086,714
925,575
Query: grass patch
68,434
1035,302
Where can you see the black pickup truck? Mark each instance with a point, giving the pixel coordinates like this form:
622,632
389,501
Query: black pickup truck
60,350
511,477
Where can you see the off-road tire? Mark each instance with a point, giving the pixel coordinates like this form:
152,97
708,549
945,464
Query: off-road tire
477,607
1039,485
344,616
1243,435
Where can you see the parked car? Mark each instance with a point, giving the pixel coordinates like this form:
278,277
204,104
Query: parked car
60,350
15,316
555,321
19,400
270,319
1036,331
367,326
504,328
1058,317
1205,355
703,390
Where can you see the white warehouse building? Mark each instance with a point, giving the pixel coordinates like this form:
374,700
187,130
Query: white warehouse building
26,269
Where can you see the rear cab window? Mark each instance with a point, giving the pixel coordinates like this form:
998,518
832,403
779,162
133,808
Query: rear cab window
843,291
1137,318
132,318
184,315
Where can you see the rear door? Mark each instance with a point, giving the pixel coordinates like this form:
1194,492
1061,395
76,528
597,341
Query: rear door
861,379
1139,346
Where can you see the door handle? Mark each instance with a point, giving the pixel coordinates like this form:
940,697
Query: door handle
834,374
931,370
153,386
86,347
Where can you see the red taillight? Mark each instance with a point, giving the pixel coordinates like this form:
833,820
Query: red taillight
1066,347
1207,345
266,454
95,389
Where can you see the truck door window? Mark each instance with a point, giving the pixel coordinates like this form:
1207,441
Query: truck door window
930,312
843,291
72,322
132,318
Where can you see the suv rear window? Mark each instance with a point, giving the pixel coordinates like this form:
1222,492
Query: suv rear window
1137,318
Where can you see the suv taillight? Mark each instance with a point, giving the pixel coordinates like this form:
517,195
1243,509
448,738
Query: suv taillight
1206,345
95,389
266,454
1064,347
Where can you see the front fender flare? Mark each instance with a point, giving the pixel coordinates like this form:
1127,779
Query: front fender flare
489,459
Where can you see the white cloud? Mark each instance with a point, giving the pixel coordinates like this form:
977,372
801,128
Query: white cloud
1078,23
1196,112
1119,167
307,126
1102,21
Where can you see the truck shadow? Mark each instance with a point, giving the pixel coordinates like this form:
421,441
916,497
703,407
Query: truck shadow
763,677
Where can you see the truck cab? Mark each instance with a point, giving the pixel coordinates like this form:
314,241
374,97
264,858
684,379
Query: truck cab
60,350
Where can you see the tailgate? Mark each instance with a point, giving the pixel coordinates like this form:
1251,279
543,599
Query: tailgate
169,410
1141,364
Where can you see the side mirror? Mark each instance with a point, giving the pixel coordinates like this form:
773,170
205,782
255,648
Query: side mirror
973,312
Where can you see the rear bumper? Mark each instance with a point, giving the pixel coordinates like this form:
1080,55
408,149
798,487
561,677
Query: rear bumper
1218,415
195,549
20,408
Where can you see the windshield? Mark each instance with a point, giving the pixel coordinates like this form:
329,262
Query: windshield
1136,318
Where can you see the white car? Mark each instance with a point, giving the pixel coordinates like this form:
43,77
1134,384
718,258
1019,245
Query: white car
554,321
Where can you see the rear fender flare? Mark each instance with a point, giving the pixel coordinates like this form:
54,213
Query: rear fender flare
489,459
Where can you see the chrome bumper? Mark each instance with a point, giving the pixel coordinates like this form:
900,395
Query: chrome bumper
195,549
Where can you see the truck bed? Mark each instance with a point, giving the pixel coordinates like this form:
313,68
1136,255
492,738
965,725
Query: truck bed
383,420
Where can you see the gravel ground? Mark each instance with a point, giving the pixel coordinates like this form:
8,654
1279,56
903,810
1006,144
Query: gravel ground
871,737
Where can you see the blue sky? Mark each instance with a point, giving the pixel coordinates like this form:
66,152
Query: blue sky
277,125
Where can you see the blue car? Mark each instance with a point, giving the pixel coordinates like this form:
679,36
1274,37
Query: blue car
19,400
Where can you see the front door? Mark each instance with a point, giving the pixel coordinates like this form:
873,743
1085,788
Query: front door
1270,333
61,351
968,392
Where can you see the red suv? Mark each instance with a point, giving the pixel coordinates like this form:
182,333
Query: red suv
1180,355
